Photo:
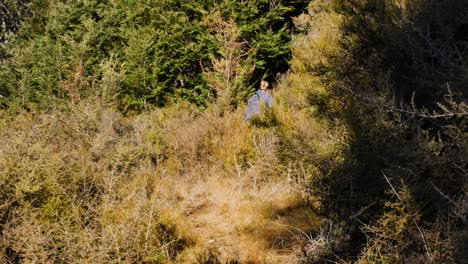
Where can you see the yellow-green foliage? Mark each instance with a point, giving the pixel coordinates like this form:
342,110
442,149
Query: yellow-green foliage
400,229
94,186
187,139
310,144
312,53
320,41
75,189
363,75
395,230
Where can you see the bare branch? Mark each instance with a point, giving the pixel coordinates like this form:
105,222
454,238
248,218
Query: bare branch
414,112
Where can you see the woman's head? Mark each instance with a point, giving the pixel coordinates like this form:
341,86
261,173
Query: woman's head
264,85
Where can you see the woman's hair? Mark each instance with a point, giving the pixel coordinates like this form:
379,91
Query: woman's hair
264,82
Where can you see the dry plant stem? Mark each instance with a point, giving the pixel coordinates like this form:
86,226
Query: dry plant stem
148,229
238,169
443,195
428,252
461,215
414,112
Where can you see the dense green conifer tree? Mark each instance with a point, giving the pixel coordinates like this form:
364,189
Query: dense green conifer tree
158,49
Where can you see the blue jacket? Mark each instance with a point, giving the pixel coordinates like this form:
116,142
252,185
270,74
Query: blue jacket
253,104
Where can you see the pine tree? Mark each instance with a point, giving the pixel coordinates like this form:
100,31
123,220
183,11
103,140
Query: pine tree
159,49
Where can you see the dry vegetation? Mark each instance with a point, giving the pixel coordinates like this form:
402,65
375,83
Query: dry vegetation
332,174
395,189
86,184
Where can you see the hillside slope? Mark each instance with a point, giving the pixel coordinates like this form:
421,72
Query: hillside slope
361,160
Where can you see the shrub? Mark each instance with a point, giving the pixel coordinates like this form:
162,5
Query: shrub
379,73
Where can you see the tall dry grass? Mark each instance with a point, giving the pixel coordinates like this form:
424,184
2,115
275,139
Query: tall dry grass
76,188
172,185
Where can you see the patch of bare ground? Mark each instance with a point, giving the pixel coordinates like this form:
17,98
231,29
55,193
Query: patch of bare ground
239,219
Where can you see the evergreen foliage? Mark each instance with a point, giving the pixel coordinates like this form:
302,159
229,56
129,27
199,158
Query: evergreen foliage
12,13
159,49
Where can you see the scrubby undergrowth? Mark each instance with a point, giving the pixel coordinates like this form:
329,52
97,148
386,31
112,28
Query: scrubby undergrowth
85,184
363,158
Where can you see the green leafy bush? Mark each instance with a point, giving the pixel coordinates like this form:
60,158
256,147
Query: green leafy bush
159,50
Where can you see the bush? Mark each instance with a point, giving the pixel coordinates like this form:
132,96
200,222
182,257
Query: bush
74,190
391,74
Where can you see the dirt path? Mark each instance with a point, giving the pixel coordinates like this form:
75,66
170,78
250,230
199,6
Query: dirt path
240,219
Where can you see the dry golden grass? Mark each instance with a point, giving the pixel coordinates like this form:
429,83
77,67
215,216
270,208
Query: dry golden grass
257,223
226,189
169,186
74,189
